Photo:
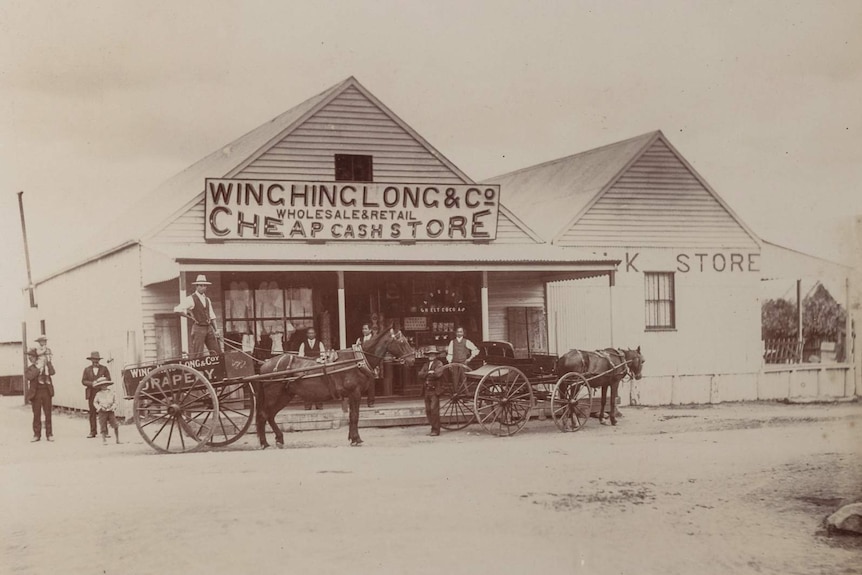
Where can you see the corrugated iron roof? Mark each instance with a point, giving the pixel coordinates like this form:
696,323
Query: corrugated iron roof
548,195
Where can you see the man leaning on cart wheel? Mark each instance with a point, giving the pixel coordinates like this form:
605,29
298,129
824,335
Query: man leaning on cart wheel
199,309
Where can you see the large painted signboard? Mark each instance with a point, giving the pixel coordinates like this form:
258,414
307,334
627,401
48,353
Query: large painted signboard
325,211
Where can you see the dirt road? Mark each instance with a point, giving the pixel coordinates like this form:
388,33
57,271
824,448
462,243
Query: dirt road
727,489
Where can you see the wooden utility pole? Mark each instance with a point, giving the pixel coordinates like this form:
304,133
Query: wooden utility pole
30,286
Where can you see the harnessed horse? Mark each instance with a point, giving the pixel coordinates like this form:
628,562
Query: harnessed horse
346,378
603,368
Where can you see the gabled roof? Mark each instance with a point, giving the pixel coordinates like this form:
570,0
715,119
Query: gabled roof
547,195
554,195
162,205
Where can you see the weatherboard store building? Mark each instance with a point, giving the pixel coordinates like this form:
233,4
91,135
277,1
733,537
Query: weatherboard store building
337,213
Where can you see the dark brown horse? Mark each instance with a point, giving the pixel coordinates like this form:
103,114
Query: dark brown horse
347,378
604,368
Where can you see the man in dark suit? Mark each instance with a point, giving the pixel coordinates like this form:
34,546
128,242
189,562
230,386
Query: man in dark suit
92,373
40,391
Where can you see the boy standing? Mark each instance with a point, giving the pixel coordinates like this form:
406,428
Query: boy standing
105,403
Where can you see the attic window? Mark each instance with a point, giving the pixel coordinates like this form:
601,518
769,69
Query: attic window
353,168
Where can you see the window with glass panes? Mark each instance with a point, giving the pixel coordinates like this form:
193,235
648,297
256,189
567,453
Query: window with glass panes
266,314
659,300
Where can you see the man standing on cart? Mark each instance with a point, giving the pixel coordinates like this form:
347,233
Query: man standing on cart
199,308
461,349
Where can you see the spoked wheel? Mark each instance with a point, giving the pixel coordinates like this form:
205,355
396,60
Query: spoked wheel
456,398
503,400
236,404
571,402
176,409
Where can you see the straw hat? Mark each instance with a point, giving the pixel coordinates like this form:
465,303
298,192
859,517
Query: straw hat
42,337
201,281
102,381
431,351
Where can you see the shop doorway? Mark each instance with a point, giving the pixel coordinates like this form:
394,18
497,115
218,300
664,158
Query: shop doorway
426,306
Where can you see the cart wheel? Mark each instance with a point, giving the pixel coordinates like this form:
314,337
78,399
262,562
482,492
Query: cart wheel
503,400
176,409
456,398
571,401
236,405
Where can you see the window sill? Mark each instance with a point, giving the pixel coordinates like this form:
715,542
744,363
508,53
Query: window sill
659,329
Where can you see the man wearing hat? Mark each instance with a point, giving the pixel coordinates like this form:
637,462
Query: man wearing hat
199,309
430,376
106,402
92,373
40,390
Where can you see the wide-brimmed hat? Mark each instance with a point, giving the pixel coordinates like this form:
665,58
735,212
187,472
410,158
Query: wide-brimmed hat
42,337
95,355
100,381
432,351
201,281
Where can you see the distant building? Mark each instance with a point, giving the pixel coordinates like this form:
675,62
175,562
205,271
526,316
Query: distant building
11,368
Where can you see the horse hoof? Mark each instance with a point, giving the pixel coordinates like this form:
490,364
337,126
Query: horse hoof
280,445
264,445
357,443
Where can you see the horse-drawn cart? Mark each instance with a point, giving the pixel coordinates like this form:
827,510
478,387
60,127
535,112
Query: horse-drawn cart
183,405
502,392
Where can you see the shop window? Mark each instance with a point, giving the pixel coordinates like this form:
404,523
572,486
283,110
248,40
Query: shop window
168,343
660,300
269,316
353,168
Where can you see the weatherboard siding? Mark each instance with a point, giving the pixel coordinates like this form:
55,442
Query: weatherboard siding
156,299
658,202
350,124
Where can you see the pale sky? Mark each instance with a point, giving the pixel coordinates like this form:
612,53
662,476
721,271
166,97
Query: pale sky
101,101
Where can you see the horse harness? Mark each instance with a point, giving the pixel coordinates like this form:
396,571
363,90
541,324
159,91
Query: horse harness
607,356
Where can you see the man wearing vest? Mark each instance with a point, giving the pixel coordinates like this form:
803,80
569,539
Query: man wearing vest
199,309
367,334
92,373
312,348
461,349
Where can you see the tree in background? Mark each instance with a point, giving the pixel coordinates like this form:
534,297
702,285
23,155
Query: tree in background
823,317
777,319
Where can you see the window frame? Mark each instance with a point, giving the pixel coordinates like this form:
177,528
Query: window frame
652,306
354,167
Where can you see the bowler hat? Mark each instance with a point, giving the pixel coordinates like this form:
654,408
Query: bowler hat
201,281
100,381
95,356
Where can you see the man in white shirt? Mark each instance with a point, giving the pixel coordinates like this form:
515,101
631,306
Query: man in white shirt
461,349
312,348
198,308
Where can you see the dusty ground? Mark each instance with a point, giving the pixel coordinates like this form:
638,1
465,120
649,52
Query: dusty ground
727,489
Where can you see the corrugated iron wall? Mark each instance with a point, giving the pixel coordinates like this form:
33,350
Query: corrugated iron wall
579,315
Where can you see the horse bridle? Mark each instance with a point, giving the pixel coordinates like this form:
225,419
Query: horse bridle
399,359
